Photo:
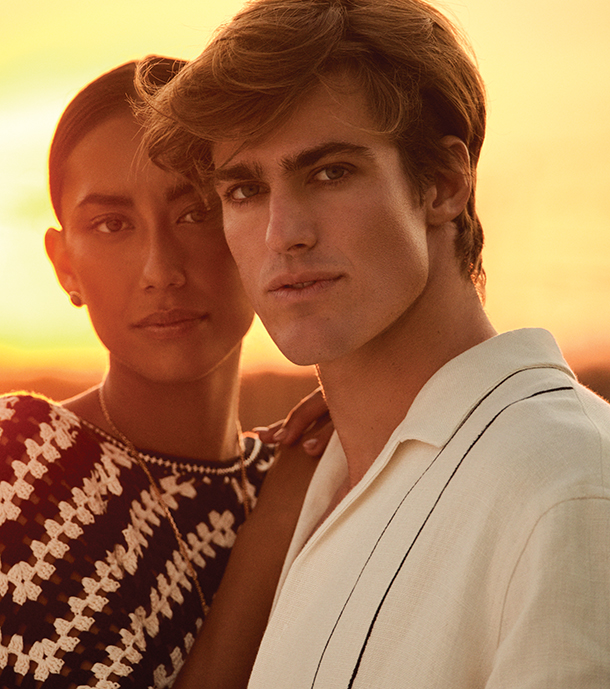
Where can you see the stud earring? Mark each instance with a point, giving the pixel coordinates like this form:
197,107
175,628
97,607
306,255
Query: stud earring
76,298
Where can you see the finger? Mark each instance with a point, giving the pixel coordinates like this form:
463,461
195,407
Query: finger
315,445
302,417
267,433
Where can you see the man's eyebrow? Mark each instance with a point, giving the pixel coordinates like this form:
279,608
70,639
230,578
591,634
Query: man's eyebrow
311,156
294,163
237,172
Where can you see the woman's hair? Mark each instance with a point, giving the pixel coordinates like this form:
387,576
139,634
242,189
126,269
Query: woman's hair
415,68
109,95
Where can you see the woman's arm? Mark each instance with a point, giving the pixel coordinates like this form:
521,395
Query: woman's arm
224,652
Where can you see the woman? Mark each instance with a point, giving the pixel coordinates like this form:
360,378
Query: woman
119,507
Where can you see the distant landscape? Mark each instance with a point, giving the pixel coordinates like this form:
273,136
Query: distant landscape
265,396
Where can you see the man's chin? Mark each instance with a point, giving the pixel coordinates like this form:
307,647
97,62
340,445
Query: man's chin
297,349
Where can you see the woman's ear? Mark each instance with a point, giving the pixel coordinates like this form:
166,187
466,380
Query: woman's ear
449,194
55,245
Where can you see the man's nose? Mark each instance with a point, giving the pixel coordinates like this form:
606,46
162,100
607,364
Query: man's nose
291,227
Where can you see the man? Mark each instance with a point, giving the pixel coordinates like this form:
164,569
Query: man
456,532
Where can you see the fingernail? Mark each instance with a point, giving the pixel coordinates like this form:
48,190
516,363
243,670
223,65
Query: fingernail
278,436
311,445
260,429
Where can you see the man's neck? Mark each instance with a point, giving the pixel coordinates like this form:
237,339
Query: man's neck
370,391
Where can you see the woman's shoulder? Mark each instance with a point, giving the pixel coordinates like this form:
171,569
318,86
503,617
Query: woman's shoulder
257,452
35,429
26,410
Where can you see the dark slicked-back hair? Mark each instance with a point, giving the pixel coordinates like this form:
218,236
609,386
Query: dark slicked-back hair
413,64
109,95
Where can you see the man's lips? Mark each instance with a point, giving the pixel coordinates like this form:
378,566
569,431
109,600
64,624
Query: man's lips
169,318
302,281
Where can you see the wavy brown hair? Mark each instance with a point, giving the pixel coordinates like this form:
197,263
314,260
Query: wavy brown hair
414,65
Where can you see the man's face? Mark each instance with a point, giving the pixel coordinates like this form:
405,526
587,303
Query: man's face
328,235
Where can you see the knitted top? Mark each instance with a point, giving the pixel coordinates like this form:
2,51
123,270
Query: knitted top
94,590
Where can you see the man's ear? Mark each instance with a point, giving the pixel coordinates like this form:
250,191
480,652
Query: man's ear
449,194
55,245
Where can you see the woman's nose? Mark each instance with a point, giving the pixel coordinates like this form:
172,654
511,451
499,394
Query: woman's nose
164,262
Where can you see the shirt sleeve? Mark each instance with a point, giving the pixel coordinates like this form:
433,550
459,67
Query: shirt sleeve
555,629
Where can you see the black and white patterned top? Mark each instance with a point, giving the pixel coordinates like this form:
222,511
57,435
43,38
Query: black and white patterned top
94,591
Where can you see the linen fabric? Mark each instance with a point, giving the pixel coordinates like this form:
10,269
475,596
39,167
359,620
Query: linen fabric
475,552
94,589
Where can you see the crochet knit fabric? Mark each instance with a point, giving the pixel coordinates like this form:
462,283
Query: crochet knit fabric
94,589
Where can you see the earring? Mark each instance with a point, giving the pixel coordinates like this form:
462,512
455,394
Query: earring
76,298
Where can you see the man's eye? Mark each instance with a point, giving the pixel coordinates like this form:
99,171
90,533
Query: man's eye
331,173
245,191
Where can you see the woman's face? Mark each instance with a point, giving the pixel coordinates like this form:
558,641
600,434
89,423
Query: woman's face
149,258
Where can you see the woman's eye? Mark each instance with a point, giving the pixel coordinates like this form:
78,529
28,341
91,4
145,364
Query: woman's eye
330,173
196,215
111,225
245,191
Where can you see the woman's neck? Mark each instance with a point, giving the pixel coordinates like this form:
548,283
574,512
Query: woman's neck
196,419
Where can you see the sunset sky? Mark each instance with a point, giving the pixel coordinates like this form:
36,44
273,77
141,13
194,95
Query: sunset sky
544,180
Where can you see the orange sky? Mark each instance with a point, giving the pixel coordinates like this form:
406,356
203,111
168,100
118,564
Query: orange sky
543,183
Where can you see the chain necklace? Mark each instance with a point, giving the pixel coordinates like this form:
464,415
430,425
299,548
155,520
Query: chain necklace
133,452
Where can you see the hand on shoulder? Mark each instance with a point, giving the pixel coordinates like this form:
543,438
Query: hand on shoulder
307,424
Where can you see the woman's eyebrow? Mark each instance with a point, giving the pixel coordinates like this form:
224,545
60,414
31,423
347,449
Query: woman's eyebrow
179,191
99,199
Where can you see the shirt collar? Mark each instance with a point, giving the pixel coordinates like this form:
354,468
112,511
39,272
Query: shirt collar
456,388
434,415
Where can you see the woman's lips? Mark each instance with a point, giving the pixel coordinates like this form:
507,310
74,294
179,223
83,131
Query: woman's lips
171,323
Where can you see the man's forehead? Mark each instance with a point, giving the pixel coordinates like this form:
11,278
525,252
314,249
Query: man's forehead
229,153
334,111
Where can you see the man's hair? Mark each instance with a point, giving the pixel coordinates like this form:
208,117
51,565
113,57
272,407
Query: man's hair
413,64
111,94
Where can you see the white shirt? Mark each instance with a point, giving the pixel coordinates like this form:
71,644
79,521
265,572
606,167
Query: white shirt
473,553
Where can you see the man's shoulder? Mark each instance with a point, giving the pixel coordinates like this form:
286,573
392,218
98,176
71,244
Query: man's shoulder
595,408
554,444
538,399
570,412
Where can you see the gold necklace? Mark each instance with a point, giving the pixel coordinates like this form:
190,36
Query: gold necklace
133,452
